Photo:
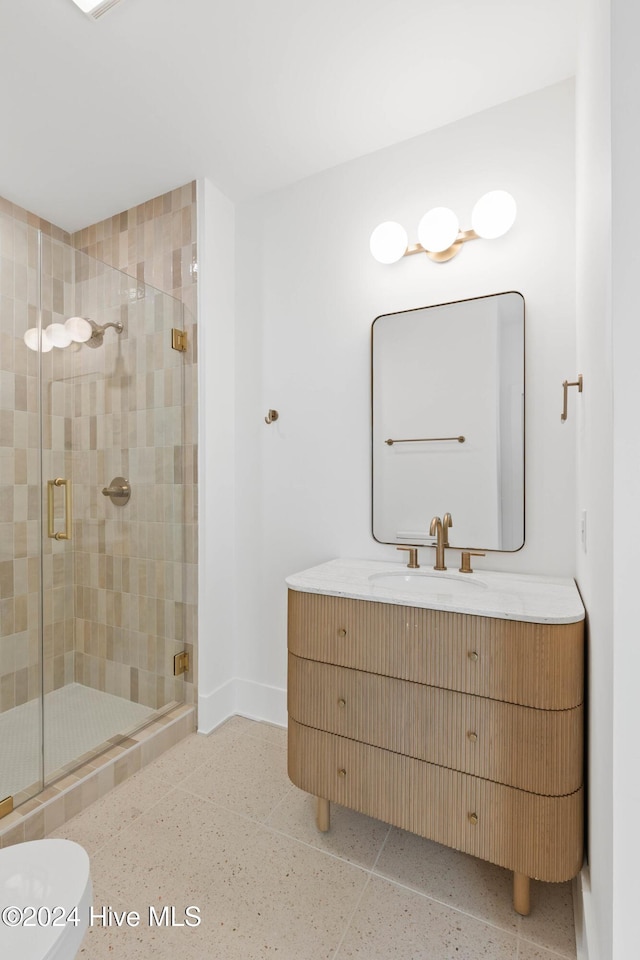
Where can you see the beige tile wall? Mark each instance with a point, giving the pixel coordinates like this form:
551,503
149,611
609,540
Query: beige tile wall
115,617
126,398
20,674
155,242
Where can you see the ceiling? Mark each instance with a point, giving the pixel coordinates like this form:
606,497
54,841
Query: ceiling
96,116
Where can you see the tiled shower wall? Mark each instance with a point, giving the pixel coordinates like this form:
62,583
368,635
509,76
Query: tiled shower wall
20,676
127,409
155,242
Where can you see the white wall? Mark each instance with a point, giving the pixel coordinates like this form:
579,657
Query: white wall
307,292
608,341
625,259
216,465
594,467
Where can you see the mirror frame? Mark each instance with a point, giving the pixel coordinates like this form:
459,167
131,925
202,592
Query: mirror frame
431,541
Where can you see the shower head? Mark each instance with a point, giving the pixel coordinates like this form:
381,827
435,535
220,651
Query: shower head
97,332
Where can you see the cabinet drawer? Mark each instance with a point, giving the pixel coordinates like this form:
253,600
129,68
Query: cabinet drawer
538,836
534,664
536,750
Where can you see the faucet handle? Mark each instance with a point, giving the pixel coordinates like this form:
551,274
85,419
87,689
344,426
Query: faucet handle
413,557
466,560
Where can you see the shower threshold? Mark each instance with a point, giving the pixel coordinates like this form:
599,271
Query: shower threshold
77,721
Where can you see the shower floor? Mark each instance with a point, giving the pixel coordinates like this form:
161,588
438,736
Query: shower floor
78,719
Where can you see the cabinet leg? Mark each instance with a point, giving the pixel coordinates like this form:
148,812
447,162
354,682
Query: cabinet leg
521,894
323,815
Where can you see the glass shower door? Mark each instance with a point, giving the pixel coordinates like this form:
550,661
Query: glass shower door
112,404
21,754
91,507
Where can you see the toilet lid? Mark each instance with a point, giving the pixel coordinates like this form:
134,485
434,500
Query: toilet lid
44,874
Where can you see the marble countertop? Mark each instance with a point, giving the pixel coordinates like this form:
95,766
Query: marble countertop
485,593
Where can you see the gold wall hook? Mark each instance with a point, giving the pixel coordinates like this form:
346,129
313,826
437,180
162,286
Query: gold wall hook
565,391
271,416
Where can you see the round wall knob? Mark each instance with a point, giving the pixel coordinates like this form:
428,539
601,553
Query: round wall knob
342,772
342,632
473,818
472,736
118,491
342,702
472,655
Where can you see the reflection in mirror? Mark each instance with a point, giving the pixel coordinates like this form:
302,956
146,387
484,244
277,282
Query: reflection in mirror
448,422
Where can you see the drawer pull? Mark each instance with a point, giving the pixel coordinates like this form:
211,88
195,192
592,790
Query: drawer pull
472,655
342,632
472,736
473,818
342,772
342,702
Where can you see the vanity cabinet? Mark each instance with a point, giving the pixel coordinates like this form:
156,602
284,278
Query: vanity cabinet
461,728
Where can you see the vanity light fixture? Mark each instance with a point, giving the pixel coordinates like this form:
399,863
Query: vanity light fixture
439,233
73,330
95,8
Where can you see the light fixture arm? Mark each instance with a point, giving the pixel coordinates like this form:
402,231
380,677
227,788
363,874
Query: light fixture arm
442,256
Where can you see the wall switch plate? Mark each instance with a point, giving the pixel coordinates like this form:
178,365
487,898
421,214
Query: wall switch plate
583,530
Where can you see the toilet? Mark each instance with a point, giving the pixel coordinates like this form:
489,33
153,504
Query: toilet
44,874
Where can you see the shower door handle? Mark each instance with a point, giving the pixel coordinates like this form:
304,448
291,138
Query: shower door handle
59,482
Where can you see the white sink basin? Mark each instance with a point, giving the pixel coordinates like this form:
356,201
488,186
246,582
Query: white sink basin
428,583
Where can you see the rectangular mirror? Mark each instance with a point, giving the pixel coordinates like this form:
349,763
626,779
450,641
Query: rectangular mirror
448,422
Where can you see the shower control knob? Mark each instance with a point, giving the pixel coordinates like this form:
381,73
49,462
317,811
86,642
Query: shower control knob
118,491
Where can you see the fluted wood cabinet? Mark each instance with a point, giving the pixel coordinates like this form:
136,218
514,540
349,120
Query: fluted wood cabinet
464,729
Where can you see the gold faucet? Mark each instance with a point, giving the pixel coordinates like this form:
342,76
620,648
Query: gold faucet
465,566
447,523
435,530
413,557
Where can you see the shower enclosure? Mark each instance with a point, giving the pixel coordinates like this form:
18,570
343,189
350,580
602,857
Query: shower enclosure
91,579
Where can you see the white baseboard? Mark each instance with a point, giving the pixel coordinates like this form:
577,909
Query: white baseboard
258,701
215,707
583,916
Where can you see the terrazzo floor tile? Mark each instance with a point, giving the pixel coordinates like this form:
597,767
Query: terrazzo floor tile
121,938
531,951
251,779
259,892
550,923
278,888
181,761
268,731
474,886
352,836
105,818
393,923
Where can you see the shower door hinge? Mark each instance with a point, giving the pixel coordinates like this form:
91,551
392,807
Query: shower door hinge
180,663
179,340
6,807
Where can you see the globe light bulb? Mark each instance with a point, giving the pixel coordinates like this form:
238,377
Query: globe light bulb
78,329
46,343
493,214
31,338
388,242
58,334
438,229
